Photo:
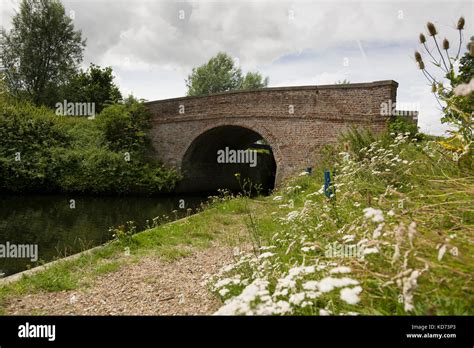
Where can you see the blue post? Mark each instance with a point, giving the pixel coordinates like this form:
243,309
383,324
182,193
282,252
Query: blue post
328,186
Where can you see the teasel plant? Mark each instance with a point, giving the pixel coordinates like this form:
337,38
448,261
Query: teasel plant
458,106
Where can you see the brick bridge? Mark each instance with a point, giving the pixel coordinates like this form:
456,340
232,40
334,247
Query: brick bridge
294,121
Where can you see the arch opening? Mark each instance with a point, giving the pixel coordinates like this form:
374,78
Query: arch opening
214,157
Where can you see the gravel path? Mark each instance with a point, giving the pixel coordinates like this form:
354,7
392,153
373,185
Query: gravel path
150,287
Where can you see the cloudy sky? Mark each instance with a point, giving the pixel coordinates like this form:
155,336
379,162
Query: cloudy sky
153,45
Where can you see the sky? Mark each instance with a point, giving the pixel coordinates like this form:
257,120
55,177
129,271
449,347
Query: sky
152,46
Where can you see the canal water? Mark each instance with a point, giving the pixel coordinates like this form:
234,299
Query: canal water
61,227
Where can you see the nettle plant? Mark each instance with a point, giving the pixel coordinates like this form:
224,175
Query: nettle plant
454,89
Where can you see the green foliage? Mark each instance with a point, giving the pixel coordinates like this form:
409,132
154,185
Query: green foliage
95,85
354,140
124,233
40,151
400,125
253,80
466,66
41,51
125,125
27,135
220,74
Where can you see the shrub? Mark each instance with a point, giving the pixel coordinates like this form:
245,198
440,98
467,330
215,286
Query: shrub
400,125
40,151
125,125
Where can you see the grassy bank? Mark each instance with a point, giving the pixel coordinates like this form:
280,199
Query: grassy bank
221,222
395,239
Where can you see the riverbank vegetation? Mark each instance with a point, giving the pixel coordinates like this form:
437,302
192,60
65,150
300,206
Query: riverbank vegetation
44,152
394,237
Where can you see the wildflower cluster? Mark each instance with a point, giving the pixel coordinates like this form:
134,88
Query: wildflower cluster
336,256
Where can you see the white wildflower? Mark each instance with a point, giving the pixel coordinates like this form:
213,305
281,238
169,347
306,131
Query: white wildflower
341,269
409,286
290,204
378,231
312,294
241,304
327,284
441,252
236,251
351,295
296,299
324,312
348,237
278,198
292,215
396,254
375,215
265,255
411,232
311,285
223,292
368,251
281,307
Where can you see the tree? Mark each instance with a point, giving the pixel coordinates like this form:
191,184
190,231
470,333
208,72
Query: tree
96,85
220,74
466,64
253,80
41,52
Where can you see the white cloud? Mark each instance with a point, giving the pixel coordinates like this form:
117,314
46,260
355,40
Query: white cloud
152,49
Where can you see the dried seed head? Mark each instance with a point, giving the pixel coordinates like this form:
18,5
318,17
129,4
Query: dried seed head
445,44
421,65
422,38
417,56
433,88
461,22
431,28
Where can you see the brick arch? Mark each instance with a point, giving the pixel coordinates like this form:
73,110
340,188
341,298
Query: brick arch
264,132
198,164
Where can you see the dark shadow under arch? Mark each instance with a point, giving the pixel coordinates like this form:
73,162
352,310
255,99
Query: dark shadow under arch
203,173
